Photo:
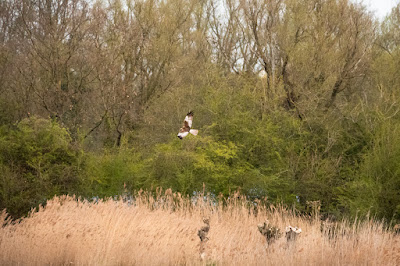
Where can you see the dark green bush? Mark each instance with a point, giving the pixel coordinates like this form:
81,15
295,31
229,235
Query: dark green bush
114,172
376,186
37,162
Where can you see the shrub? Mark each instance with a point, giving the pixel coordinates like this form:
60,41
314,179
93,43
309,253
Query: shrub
113,171
375,189
37,162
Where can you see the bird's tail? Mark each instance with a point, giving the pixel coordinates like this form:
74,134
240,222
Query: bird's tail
194,132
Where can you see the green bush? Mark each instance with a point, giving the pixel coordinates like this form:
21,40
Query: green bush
37,162
254,160
376,186
113,172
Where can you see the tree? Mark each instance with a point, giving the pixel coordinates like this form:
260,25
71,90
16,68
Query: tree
316,49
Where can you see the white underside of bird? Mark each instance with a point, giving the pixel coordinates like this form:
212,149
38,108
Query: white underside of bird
186,128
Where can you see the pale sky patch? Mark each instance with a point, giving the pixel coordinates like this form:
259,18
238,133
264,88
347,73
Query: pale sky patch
381,8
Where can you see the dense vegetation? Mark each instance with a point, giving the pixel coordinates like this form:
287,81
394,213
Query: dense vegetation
296,101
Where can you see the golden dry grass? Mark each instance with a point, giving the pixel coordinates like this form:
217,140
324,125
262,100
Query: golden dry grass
162,230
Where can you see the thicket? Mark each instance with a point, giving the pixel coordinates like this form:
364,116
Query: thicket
296,101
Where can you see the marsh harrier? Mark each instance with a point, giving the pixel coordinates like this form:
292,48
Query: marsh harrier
187,126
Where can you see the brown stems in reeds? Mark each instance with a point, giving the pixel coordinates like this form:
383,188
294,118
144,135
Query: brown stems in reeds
202,233
271,233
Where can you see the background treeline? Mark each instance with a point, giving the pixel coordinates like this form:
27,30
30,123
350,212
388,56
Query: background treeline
296,101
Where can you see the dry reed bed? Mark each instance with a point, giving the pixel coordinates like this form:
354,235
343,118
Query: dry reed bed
162,230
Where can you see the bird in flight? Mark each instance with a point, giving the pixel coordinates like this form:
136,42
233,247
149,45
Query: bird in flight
187,125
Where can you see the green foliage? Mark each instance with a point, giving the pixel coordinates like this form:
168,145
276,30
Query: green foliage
186,165
376,188
37,161
113,172
8,111
237,148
